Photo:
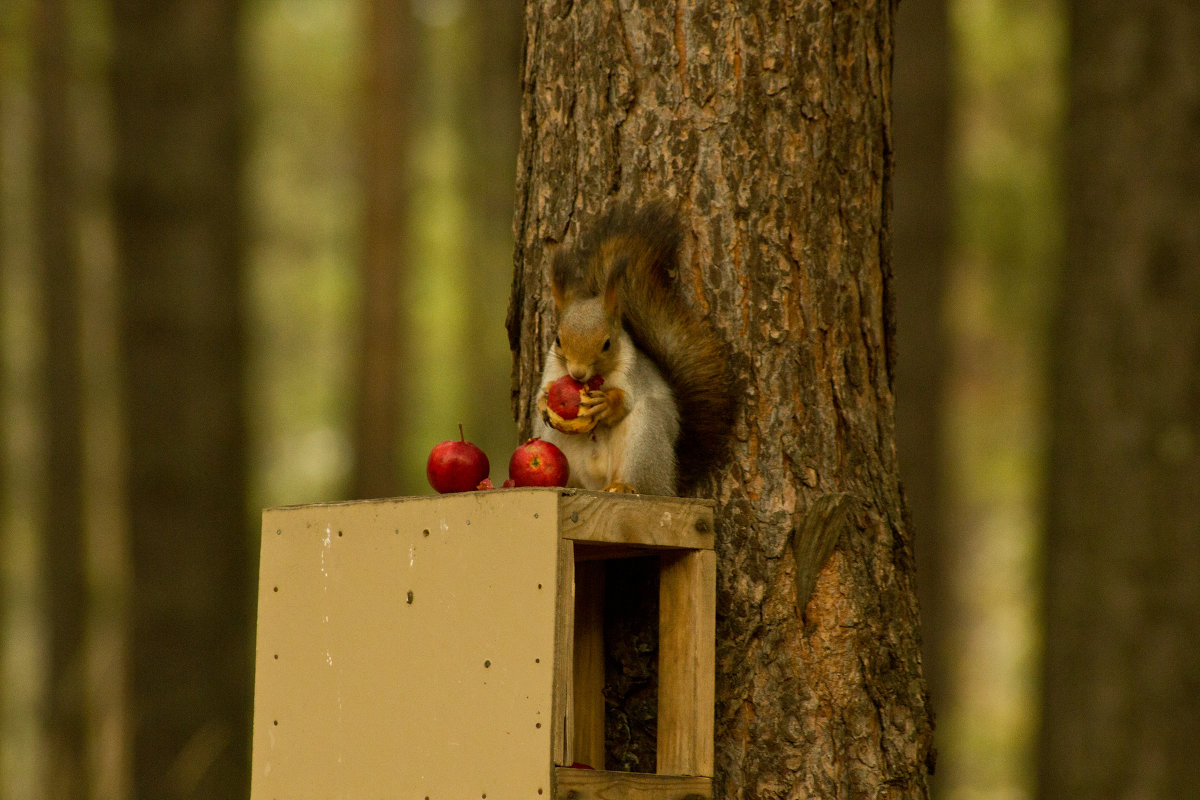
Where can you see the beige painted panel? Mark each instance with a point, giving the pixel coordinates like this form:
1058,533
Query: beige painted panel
451,599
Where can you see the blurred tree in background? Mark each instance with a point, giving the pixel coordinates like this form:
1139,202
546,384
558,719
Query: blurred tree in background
922,224
977,243
190,180
383,396
178,213
1121,709
55,211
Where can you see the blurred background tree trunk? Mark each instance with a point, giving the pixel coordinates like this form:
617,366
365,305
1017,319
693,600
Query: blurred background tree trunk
178,204
1121,710
921,238
771,133
57,234
390,66
489,116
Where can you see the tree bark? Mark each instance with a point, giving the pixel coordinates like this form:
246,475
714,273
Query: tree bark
384,266
178,205
769,128
1121,713
62,496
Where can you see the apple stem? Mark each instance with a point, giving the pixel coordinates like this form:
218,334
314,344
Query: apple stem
461,436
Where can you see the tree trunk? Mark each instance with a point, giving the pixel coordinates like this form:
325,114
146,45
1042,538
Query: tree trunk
178,206
769,128
386,121
1121,708
62,497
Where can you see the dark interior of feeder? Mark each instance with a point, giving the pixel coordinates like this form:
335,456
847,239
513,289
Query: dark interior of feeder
631,663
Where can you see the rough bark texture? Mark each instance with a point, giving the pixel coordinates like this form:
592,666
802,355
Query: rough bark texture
1121,706
177,102
768,126
384,265
57,238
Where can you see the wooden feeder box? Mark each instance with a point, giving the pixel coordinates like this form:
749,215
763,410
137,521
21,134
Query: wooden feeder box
449,648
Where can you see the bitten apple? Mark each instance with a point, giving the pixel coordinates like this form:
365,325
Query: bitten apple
456,466
564,395
538,463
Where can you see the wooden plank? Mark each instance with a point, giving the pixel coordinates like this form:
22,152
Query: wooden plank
563,736
589,664
686,662
637,520
586,784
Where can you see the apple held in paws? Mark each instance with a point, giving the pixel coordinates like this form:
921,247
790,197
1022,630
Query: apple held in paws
564,395
538,463
456,466
562,402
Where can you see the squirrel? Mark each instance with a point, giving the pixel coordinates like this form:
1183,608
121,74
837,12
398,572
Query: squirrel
662,411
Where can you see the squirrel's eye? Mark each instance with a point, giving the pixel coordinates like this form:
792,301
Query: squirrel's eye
557,342
604,346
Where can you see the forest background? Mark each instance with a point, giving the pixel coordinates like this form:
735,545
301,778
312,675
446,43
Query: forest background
375,258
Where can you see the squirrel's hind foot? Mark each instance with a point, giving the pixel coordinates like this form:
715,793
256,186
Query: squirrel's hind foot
620,488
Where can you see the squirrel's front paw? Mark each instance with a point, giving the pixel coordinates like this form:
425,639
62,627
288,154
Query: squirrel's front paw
620,488
582,423
606,406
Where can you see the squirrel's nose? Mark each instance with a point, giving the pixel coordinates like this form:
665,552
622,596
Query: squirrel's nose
579,373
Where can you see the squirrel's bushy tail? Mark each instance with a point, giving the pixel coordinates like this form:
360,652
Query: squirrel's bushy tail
638,249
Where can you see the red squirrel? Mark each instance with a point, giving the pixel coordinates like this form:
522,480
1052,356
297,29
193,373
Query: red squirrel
665,404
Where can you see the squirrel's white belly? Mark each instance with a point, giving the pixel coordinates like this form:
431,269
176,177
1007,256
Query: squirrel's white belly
589,456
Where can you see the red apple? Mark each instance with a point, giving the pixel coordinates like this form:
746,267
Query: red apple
456,466
538,463
563,397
